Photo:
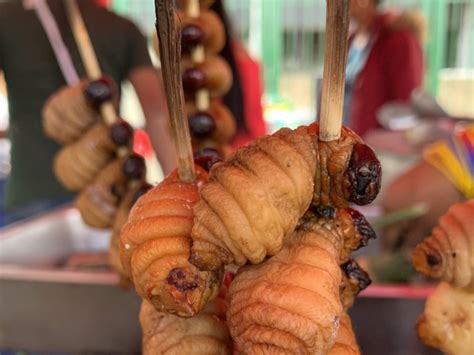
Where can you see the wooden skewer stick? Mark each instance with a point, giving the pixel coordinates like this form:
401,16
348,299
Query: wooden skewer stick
89,58
169,39
198,56
192,8
335,57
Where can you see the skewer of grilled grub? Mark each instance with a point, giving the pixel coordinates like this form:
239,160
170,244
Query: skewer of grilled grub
94,72
335,58
89,58
198,56
169,39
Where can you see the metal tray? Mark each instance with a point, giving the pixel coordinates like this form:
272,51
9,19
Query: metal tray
49,239
45,308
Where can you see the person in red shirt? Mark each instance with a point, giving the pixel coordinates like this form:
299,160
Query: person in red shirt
385,62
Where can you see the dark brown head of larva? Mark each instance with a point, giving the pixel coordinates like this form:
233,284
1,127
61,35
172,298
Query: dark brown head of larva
207,157
193,80
364,175
121,133
362,226
183,281
99,91
433,259
134,167
356,275
201,125
191,36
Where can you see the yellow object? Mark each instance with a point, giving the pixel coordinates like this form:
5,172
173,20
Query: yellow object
453,162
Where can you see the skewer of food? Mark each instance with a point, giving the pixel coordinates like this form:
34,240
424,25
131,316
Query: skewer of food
70,112
447,322
155,241
206,333
293,301
97,160
277,208
206,76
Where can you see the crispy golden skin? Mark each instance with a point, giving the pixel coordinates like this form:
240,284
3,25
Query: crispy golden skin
98,202
291,303
448,254
77,164
155,247
346,343
448,320
121,218
203,334
255,199
67,114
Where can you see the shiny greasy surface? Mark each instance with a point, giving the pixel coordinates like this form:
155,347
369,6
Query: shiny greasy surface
201,125
193,80
207,157
99,91
134,167
121,133
191,36
364,174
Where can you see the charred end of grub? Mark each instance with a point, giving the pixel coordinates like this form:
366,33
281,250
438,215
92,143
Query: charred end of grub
134,167
182,280
362,226
191,37
433,260
357,277
323,211
201,125
121,133
364,175
207,157
99,91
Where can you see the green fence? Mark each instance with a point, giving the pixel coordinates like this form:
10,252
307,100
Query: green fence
288,35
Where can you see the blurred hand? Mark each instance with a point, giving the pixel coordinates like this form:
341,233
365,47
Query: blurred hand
421,184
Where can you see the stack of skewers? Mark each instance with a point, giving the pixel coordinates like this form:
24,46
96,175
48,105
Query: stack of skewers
97,160
277,209
207,77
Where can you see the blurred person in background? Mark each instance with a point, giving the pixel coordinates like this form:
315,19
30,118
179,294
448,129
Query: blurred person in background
385,62
32,75
245,96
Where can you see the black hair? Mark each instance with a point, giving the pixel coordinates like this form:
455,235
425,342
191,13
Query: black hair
234,99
